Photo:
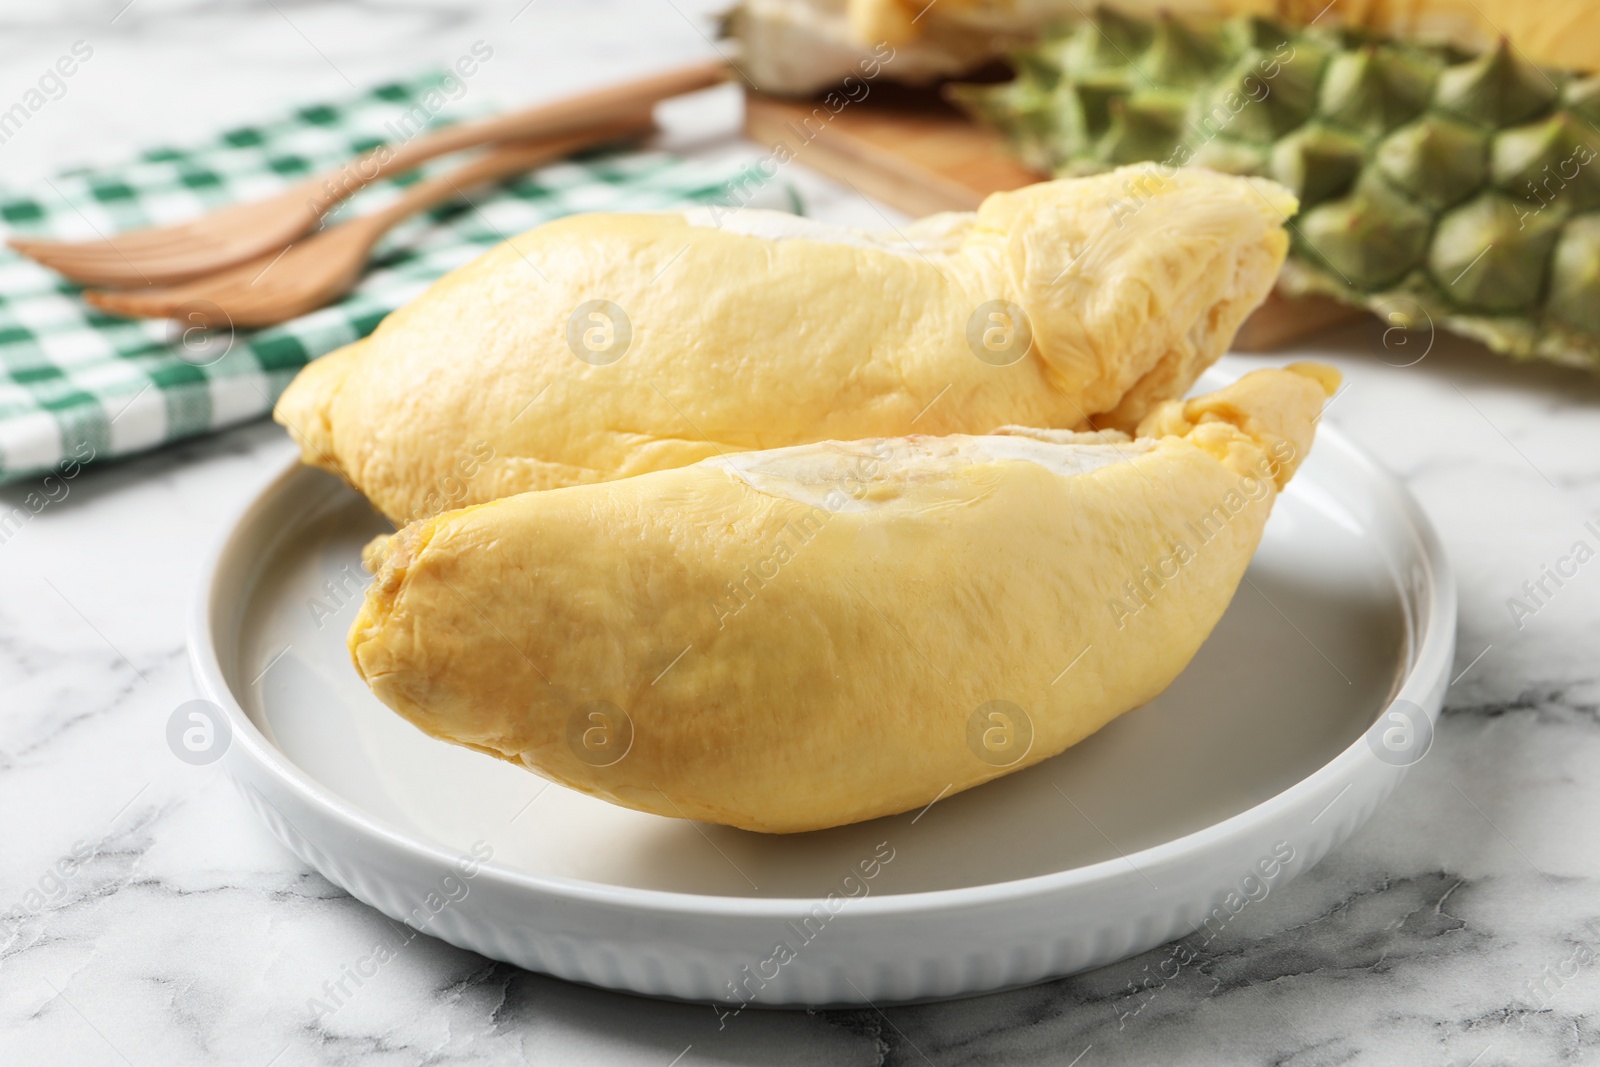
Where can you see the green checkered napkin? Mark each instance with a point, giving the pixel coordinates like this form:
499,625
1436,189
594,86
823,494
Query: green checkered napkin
77,384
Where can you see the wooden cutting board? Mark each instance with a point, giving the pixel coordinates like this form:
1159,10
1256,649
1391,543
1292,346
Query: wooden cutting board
909,149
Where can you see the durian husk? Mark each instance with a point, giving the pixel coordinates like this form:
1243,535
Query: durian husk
796,47
1437,189
1556,33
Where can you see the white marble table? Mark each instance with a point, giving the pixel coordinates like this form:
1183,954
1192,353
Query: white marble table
1462,925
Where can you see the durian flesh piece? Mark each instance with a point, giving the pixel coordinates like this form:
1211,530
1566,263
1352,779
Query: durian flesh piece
800,638
604,346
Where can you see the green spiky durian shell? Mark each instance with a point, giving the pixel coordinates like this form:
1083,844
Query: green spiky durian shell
1461,190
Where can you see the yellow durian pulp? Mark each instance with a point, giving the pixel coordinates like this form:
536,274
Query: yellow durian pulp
725,332
809,636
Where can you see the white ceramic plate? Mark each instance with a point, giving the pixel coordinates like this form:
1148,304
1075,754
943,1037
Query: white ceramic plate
1300,714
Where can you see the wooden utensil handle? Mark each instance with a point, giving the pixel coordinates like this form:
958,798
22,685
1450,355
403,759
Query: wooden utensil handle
572,115
501,162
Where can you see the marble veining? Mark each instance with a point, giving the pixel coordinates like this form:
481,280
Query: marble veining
147,918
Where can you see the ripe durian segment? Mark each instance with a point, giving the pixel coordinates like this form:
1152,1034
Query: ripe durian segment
810,636
722,332
1429,181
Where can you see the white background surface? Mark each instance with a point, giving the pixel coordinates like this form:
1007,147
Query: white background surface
191,937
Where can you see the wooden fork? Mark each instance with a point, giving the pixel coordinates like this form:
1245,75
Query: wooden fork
161,255
318,270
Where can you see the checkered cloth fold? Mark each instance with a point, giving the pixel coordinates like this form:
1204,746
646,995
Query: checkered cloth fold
78,385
